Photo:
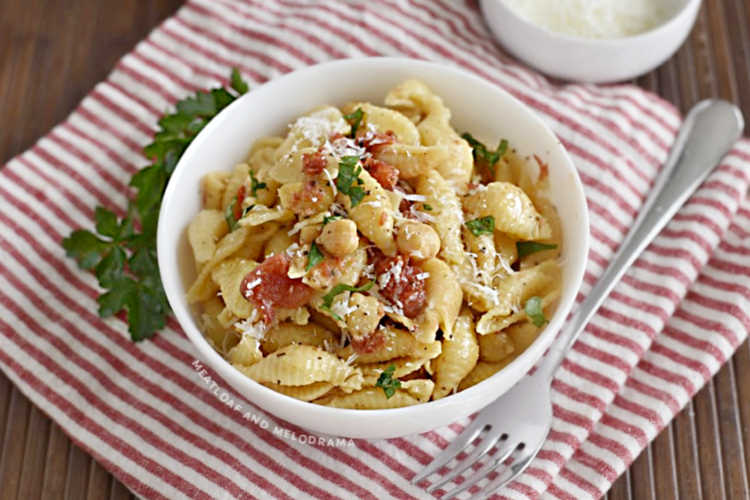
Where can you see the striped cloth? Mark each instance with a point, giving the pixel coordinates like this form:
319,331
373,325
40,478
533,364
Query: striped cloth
164,430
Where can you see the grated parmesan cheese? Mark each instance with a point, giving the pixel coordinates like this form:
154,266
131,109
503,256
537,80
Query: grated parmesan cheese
252,327
595,18
413,197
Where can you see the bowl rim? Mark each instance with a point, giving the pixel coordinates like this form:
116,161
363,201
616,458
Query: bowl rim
647,36
223,368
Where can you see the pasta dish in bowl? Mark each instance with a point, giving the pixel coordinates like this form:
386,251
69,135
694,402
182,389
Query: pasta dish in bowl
373,257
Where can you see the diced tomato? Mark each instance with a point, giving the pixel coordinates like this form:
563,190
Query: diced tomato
314,163
237,209
368,343
404,207
372,142
307,201
385,173
543,168
402,287
275,289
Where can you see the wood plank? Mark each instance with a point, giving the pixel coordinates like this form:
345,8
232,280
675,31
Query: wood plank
642,477
11,460
730,434
32,474
99,481
664,466
119,491
56,464
686,454
621,488
77,478
709,444
741,362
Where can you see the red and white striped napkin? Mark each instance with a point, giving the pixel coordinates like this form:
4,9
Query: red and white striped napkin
147,415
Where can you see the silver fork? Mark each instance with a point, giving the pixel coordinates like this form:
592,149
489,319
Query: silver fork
517,423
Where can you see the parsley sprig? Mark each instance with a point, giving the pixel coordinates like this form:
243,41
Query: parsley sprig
348,181
341,288
535,311
331,218
387,382
481,152
314,257
121,251
355,120
525,248
255,185
482,225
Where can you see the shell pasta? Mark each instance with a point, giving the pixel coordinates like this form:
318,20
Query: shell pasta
372,257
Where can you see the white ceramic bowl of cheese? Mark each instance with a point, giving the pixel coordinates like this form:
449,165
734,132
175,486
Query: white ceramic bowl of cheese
268,110
586,59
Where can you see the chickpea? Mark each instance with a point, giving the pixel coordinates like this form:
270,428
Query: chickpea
308,233
417,240
339,237
364,319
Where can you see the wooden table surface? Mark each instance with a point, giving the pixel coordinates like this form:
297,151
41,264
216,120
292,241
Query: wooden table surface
52,53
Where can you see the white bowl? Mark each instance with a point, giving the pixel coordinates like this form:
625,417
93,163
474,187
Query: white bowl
585,59
267,110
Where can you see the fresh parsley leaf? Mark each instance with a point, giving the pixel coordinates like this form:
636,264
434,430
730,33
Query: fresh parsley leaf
330,218
356,194
534,311
387,382
482,225
106,222
341,288
86,248
349,170
314,257
481,152
232,222
122,250
355,120
525,248
255,185
427,207
111,267
237,83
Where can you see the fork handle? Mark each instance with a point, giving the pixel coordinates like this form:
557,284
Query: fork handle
706,135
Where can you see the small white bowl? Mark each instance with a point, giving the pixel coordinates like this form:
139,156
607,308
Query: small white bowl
267,110
586,59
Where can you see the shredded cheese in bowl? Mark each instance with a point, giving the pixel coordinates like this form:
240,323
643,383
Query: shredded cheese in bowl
600,19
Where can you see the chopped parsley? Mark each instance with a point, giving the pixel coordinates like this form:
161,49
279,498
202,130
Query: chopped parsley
534,311
482,225
341,288
237,83
355,120
229,214
427,207
482,154
348,181
331,218
387,382
314,257
255,185
525,248
121,251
